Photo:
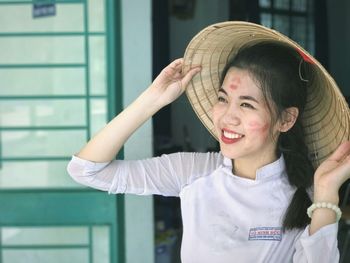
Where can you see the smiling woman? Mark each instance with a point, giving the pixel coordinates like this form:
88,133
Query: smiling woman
255,92
268,104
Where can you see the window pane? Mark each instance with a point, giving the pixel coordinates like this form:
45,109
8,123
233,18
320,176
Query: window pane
96,15
281,24
311,39
265,3
45,236
98,115
46,174
299,5
97,65
42,81
299,30
78,255
41,143
281,4
68,18
36,113
100,235
56,49
266,20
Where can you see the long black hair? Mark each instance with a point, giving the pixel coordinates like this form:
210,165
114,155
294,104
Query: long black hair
283,77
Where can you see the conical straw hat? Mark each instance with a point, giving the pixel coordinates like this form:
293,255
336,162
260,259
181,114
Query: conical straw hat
326,115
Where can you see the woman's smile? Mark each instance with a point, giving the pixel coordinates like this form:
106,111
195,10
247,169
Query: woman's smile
230,137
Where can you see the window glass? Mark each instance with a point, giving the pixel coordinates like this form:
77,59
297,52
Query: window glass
266,19
100,244
41,143
45,255
281,4
281,24
36,113
96,15
299,5
42,81
265,3
299,30
97,63
42,50
98,114
45,235
67,18
45,174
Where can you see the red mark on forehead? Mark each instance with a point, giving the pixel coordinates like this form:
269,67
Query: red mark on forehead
233,86
234,83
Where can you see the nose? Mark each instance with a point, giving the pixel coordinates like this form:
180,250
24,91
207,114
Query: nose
231,116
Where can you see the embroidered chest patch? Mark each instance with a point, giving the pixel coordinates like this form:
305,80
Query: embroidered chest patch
265,233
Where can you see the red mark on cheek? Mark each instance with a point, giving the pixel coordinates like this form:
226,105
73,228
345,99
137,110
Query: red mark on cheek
257,126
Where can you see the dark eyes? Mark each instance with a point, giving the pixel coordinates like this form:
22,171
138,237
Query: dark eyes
221,99
243,104
247,105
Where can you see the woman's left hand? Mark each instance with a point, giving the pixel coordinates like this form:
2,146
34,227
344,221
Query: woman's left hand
331,174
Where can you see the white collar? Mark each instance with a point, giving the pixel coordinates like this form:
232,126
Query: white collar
272,170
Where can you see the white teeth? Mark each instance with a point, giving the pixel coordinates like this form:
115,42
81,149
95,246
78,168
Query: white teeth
232,135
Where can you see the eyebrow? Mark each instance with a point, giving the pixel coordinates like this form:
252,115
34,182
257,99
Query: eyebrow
222,90
249,98
244,97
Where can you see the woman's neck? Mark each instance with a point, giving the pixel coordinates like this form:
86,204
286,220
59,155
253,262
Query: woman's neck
247,168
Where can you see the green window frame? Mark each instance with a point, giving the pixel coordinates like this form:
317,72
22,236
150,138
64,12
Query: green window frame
61,205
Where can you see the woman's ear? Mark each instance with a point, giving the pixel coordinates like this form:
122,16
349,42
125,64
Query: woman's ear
289,117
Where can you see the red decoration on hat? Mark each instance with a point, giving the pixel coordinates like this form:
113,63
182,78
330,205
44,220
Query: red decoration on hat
305,57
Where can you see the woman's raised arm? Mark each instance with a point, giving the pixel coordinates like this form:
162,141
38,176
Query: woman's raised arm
168,86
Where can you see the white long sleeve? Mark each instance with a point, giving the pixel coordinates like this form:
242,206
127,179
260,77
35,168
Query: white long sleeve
311,248
226,218
165,175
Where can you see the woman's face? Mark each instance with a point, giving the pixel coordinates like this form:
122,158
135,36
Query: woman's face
242,119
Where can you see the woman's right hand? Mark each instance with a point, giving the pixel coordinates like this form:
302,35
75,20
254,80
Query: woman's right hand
172,82
169,85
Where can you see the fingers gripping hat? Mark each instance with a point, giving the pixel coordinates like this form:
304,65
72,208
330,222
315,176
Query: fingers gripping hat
326,117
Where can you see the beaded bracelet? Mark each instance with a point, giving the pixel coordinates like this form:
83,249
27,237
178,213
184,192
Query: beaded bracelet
335,208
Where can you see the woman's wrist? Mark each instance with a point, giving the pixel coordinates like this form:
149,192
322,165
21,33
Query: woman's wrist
322,194
334,209
150,101
333,199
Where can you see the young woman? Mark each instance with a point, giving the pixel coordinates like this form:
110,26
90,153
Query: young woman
249,202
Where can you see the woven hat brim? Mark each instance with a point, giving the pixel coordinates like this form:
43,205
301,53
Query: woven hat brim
326,118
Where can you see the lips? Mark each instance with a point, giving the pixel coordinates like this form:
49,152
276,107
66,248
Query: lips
230,137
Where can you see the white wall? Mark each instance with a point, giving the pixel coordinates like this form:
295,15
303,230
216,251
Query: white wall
339,42
137,75
181,32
